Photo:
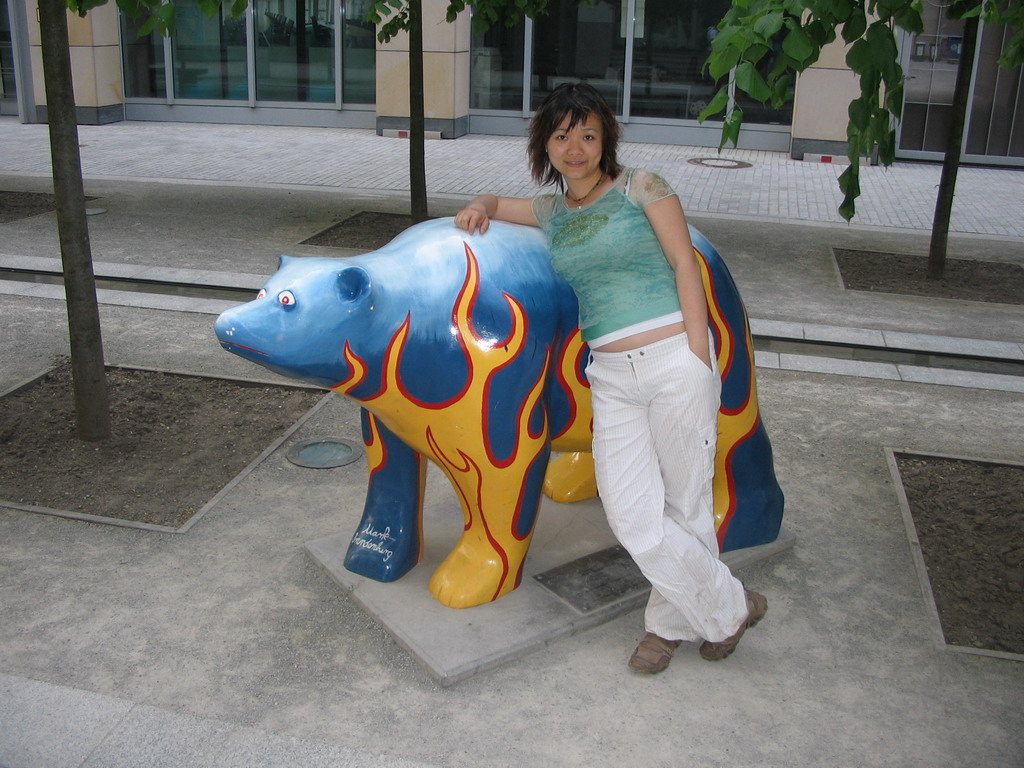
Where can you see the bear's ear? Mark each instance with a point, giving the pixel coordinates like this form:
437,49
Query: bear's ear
283,259
353,282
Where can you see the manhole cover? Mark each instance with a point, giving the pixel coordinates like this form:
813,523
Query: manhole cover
722,163
324,452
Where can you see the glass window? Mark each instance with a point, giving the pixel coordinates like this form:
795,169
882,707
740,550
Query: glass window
997,111
496,68
294,50
931,76
574,43
358,55
145,75
209,54
7,87
671,42
756,112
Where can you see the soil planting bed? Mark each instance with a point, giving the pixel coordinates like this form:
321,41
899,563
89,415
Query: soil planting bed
177,440
366,230
969,517
904,274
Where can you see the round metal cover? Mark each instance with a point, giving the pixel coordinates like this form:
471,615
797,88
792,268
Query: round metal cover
324,452
722,163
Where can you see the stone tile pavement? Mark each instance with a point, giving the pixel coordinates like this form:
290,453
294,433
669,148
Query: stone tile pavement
989,201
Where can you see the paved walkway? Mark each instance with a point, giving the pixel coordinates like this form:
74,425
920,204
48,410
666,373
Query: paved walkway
989,201
228,646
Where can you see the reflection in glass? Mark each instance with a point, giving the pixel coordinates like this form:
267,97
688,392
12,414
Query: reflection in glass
358,55
755,111
209,54
145,75
496,68
576,43
671,42
997,111
7,83
294,50
931,77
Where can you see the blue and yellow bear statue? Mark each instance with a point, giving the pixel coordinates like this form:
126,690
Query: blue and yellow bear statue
464,350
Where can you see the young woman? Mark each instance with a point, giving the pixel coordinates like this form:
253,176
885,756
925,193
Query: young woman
619,237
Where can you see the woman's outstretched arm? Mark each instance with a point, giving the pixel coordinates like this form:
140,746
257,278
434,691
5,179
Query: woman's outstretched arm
478,214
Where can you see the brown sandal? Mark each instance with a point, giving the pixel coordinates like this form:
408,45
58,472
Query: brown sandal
757,607
652,654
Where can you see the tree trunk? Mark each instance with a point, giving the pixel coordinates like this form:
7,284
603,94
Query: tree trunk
951,162
92,405
417,162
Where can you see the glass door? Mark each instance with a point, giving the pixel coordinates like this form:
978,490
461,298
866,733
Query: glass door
8,88
995,115
995,125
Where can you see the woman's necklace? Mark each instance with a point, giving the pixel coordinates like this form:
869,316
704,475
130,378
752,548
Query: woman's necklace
579,200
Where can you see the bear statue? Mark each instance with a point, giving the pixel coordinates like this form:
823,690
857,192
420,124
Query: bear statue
464,350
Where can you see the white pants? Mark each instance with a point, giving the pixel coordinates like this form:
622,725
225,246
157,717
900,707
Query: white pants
655,432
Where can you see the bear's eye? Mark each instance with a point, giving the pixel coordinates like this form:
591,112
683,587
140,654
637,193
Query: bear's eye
262,294
286,298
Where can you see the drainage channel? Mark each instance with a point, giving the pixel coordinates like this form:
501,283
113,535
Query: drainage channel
135,285
866,354
834,350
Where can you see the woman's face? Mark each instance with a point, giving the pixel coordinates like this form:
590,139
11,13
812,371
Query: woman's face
576,152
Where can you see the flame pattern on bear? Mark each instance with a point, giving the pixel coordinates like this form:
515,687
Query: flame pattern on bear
496,503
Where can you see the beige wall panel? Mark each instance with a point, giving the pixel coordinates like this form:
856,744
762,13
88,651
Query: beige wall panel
833,56
109,81
393,83
33,24
95,56
105,24
438,34
822,100
445,84
439,85
461,84
80,30
96,73
99,27
38,88
83,67
399,42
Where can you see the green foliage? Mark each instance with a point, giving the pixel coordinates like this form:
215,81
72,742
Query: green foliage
160,15
488,12
799,29
398,10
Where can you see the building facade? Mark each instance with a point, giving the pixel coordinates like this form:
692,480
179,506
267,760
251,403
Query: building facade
318,63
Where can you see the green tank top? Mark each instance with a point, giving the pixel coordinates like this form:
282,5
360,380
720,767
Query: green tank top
609,254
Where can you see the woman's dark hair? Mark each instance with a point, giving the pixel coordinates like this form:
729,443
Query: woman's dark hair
577,100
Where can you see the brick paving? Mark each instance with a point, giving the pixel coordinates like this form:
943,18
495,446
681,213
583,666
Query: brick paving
989,201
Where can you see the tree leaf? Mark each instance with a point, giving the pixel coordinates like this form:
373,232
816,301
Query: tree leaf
720,64
887,148
860,57
849,185
731,128
718,103
769,24
781,90
859,112
749,80
855,25
799,46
